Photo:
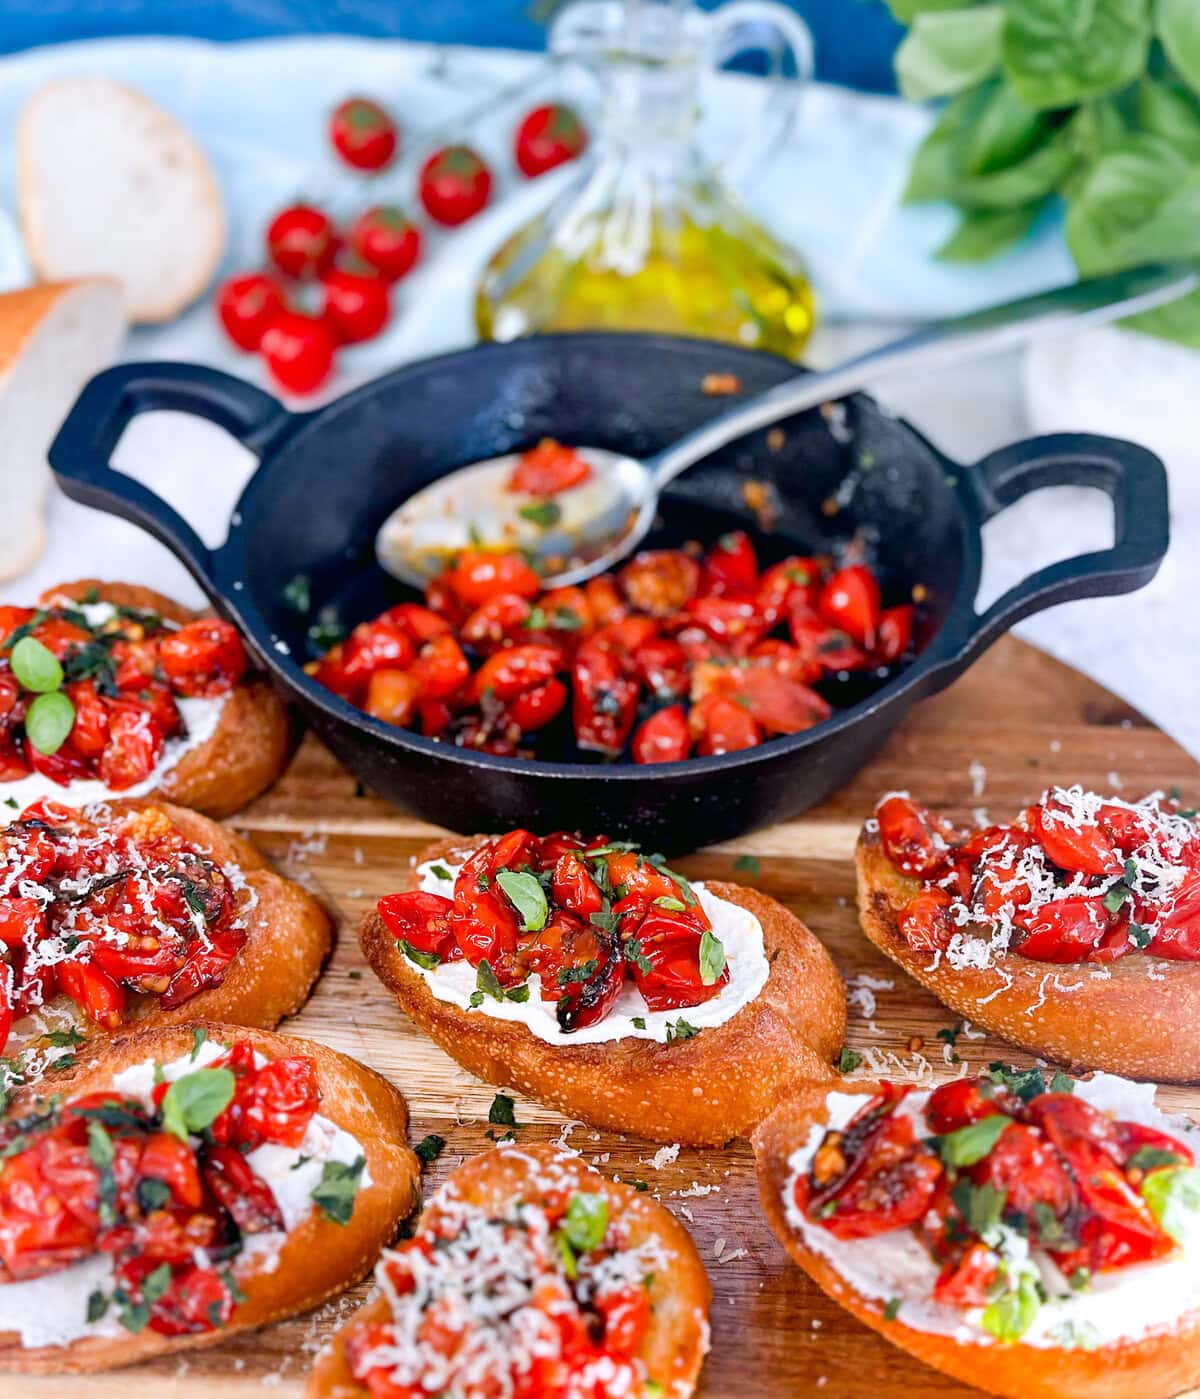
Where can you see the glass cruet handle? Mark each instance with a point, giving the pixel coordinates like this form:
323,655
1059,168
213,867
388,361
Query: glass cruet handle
741,26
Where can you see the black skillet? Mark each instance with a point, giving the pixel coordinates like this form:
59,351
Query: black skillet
327,479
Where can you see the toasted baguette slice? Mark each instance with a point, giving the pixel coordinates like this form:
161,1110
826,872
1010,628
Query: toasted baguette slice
53,338
677,1340
1139,1017
288,938
1160,1365
703,1091
109,185
319,1258
250,746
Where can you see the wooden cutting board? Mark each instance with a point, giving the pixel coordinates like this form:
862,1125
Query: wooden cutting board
1015,723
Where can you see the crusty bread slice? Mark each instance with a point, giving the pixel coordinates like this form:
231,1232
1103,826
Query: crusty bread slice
53,338
111,185
288,938
1139,1016
677,1338
250,746
1162,1364
319,1258
702,1091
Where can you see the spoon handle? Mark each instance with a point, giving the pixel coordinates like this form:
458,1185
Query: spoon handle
938,344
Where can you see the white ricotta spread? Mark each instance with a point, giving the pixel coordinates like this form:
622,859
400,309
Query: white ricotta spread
738,929
1120,1305
52,1310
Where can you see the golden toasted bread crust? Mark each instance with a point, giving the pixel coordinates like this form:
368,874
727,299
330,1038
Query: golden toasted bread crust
680,1295
702,1091
1139,1017
288,937
250,746
318,1258
1153,1368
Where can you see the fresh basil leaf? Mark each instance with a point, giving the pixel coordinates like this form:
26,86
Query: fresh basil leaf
985,233
1012,1313
586,1221
196,1100
1058,53
48,721
1178,25
155,1283
1179,321
520,994
35,666
1171,111
1040,173
907,10
638,1022
335,1193
1174,1199
1001,130
680,1030
442,873
64,1039
712,958
428,960
946,52
527,896
972,1143
487,981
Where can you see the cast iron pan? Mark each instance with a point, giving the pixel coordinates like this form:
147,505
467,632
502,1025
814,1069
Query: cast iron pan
327,479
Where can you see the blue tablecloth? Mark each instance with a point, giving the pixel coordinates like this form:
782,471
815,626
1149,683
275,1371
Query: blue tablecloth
854,38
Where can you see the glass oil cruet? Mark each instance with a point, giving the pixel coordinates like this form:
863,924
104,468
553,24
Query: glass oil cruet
649,235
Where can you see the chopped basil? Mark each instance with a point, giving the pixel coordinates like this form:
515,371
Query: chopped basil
430,1148
48,721
981,1206
566,1254
97,1304
476,1000
750,863
196,1100
638,1022
680,1030
972,1143
500,1114
1025,1083
199,1035
639,1185
672,905
1141,937
1075,1335
527,896
950,1037
1173,1195
634,954
1147,1158
487,981
848,1060
542,513
35,666
586,1221
133,1316
155,1283
63,1039
890,1308
13,802
102,1154
520,994
300,1160
441,872
335,1192
428,960
1061,1083
712,958
1080,1280
152,1194
231,1285
1116,896
324,635
606,920
1012,1313
298,594
575,976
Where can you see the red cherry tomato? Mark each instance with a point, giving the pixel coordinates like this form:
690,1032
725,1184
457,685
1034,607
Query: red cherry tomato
392,696
915,840
134,746
666,968
357,304
301,241
454,185
968,1282
420,919
204,657
574,888
547,469
247,305
721,725
511,672
850,600
925,920
626,1316
441,669
660,582
363,134
962,1101
548,136
479,575
893,635
1065,930
663,738
100,998
662,664
1086,849
299,352
387,240
604,700
736,622
537,707
731,566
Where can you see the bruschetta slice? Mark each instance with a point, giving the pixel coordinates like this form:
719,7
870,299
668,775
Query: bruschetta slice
600,981
134,912
559,1282
1032,1235
111,689
1073,931
184,1184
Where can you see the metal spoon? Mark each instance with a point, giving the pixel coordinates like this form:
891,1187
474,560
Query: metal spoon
598,523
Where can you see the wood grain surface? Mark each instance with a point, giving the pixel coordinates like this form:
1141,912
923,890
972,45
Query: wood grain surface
1015,723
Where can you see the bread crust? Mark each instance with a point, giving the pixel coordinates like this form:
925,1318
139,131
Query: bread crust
680,1295
701,1091
319,1258
1138,1017
288,937
1155,1367
250,746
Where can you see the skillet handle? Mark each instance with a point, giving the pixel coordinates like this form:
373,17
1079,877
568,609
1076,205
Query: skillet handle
1132,478
81,453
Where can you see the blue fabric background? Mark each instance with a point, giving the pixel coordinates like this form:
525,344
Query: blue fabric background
854,38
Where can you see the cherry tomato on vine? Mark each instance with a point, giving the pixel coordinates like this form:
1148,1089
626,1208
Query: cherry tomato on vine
247,305
357,304
299,351
301,241
548,136
454,184
363,134
386,239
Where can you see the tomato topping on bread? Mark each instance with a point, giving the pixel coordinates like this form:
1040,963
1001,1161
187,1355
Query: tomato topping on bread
1013,1211
529,1275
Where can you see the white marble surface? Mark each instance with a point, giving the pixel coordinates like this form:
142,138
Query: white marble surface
842,172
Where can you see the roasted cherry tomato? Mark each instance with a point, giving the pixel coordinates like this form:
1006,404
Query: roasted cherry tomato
205,657
663,738
1073,844
479,576
363,134
721,725
731,566
548,136
850,601
1064,930
548,469
454,185
660,582
913,838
